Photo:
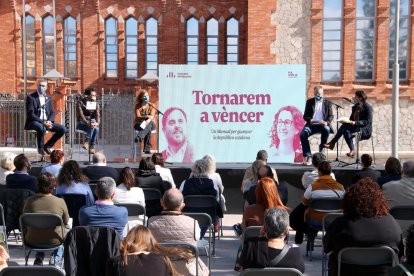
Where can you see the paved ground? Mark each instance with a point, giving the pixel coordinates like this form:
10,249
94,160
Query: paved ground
222,264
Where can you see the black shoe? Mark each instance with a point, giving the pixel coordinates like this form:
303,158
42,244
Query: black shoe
38,261
147,152
299,238
41,152
47,150
238,230
138,139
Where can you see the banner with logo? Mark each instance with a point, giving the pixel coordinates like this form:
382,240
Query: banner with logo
231,112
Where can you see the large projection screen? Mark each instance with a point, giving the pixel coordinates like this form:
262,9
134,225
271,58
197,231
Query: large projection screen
229,111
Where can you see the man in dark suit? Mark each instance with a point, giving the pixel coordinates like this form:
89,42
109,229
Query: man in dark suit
99,168
20,179
318,116
40,117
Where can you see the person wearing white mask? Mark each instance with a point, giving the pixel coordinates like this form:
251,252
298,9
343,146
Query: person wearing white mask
40,116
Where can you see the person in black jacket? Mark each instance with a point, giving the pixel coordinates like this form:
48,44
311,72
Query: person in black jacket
359,121
318,116
99,168
21,179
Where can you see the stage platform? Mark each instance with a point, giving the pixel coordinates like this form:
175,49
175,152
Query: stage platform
232,176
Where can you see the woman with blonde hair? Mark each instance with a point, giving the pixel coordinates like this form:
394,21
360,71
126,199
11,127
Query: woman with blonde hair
215,176
6,166
140,254
267,197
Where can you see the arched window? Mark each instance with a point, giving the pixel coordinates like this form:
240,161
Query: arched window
151,45
131,48
30,47
232,41
403,41
69,46
332,40
48,44
364,40
111,47
192,41
212,41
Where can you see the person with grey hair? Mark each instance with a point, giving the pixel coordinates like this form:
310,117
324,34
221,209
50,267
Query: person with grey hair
271,249
104,213
215,176
99,168
200,184
6,166
401,192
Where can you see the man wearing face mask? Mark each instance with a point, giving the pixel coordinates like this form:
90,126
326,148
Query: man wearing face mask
40,117
144,121
318,116
88,119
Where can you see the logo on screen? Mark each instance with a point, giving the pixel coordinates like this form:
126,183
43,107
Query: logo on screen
292,75
170,75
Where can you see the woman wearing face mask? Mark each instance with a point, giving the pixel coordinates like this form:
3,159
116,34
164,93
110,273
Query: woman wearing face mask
359,121
144,120
88,119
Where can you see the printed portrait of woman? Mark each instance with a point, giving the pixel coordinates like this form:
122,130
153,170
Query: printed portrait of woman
285,144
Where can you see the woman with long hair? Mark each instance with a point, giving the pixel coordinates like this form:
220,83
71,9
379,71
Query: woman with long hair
140,254
366,222
144,120
71,180
393,171
267,197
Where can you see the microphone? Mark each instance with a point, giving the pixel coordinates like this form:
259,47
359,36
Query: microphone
57,92
347,99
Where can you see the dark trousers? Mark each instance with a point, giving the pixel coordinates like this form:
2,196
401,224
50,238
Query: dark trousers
310,130
346,130
145,134
58,130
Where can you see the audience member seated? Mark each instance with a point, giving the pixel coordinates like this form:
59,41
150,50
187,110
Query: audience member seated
366,222
213,175
401,192
323,187
45,202
366,171
200,184
160,168
264,251
407,265
104,213
173,226
6,166
126,192
71,180
309,177
267,197
252,181
4,257
261,155
147,177
141,255
99,168
57,158
392,171
266,171
21,179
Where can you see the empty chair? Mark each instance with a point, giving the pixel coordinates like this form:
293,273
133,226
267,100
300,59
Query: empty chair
271,272
74,202
31,270
367,259
45,222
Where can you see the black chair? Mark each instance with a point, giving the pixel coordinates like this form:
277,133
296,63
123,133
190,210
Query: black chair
152,202
358,139
31,270
404,215
134,210
204,220
40,221
271,272
3,230
167,185
251,232
186,246
322,205
74,202
326,221
203,204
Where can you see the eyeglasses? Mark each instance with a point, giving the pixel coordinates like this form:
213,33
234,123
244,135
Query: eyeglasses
287,123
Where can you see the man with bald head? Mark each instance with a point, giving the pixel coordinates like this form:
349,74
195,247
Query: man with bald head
172,225
401,192
99,168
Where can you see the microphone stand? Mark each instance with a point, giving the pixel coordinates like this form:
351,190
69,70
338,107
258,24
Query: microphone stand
42,107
